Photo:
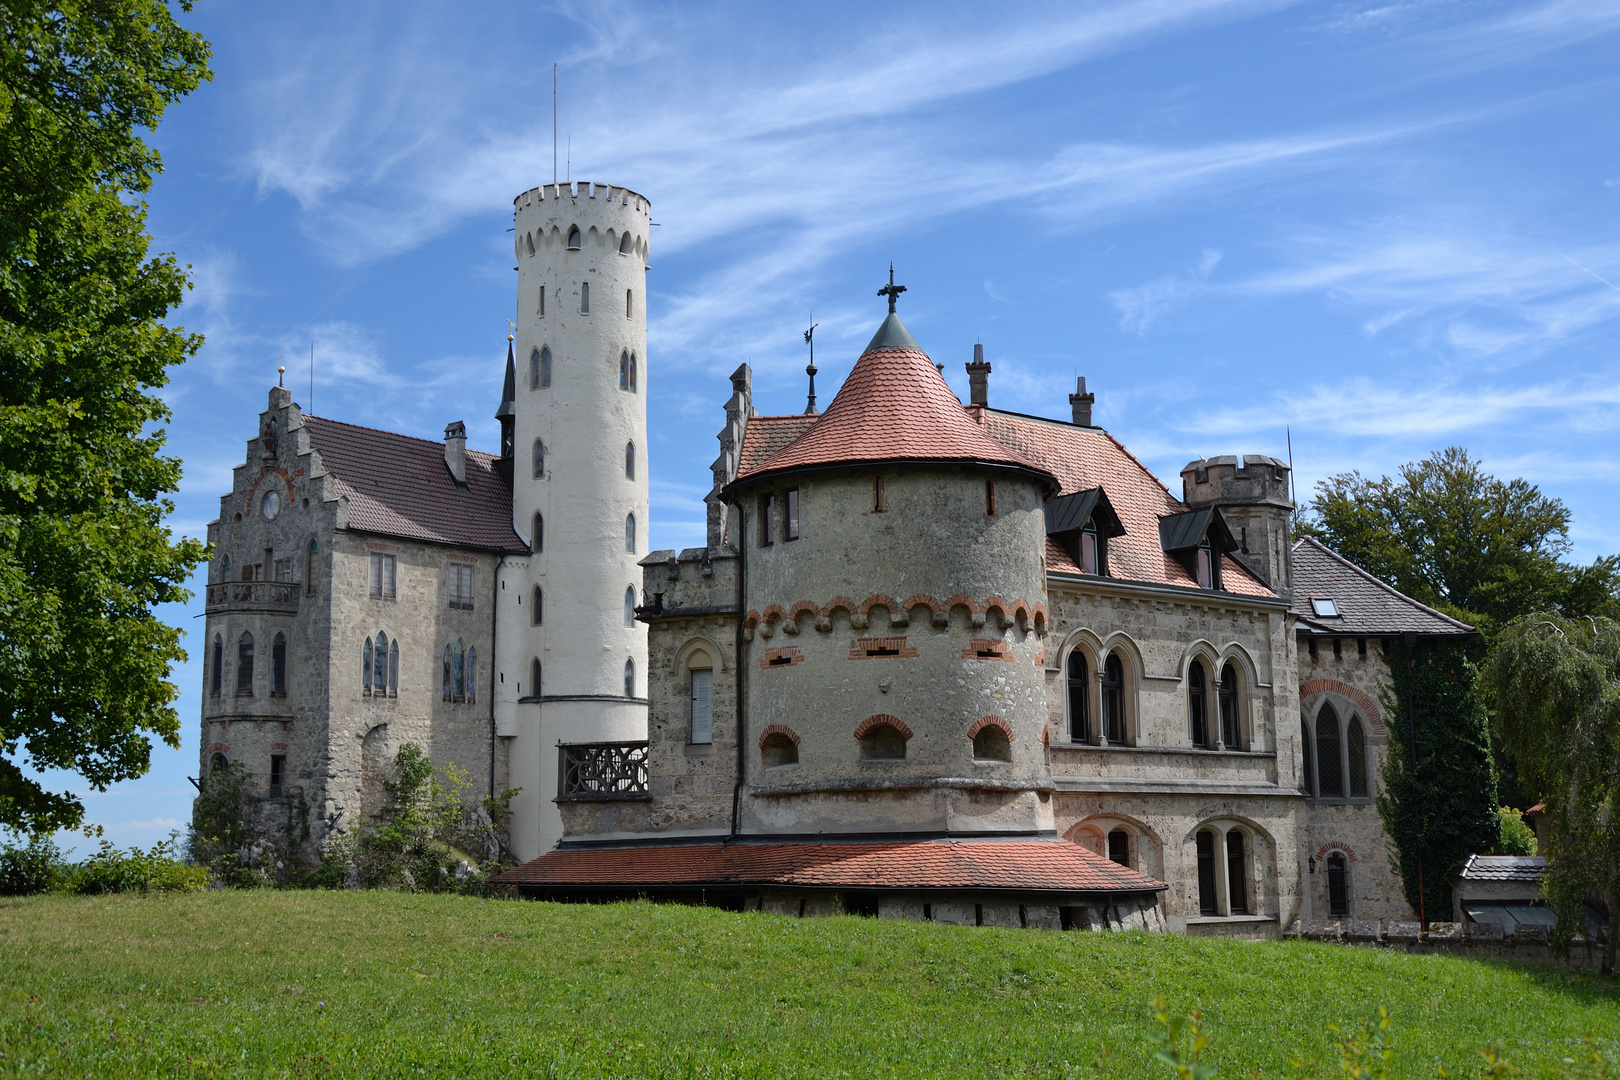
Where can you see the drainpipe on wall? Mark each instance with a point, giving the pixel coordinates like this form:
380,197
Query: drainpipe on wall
742,669
494,653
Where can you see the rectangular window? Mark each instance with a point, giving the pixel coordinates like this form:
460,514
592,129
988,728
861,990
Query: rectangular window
703,706
767,520
461,587
989,498
792,532
627,303
1088,552
382,575
278,774
1205,580
879,504
542,301
284,570
584,298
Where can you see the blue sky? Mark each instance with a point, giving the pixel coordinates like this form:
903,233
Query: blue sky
1390,225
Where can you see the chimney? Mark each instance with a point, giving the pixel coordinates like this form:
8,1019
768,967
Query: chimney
455,451
978,378
1080,402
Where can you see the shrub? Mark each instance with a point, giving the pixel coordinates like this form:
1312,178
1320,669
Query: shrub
110,870
1517,838
35,867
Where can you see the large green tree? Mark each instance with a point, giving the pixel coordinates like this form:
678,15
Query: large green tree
1557,685
84,554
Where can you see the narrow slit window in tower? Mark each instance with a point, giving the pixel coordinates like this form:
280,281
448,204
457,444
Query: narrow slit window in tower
791,532
989,498
584,298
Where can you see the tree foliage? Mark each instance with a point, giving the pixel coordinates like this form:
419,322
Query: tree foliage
1557,684
1451,535
84,554
1442,807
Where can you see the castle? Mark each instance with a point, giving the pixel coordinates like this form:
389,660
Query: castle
935,660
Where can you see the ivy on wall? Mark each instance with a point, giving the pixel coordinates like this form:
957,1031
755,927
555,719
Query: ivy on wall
1443,805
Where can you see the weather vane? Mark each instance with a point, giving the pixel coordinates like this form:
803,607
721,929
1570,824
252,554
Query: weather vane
891,290
810,340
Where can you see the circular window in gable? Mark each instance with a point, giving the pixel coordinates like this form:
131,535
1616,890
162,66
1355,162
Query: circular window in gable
271,506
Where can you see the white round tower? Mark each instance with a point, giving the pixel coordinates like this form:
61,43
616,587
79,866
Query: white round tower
578,426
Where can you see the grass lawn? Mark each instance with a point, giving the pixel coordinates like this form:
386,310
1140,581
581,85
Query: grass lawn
385,984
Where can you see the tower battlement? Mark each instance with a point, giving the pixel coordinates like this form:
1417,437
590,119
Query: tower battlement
546,216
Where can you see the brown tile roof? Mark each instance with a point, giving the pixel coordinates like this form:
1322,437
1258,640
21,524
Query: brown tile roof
399,486
765,435
1083,458
1042,865
894,406
1367,606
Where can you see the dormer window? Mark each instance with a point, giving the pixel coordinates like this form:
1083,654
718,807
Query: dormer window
1206,566
1325,607
1081,524
1089,549
1197,539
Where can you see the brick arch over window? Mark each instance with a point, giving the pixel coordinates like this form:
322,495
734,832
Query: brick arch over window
988,722
782,730
1368,707
1334,845
864,728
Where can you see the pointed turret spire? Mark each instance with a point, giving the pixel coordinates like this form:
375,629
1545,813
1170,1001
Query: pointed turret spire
507,414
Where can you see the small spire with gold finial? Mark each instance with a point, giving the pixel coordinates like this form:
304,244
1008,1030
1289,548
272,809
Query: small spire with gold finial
280,373
810,340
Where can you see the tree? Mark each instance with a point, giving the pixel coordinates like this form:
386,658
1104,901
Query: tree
84,554
1442,807
1557,685
1449,534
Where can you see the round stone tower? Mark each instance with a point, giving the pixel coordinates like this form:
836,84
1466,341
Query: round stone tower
572,658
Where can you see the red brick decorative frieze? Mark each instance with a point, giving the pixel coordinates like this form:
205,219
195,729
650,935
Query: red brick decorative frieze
778,729
987,649
990,721
1366,704
1016,612
872,648
787,656
864,728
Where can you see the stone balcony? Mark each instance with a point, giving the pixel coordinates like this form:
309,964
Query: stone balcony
276,597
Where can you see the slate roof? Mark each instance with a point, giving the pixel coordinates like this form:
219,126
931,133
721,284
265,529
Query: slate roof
400,486
1083,458
1367,606
895,406
1025,865
1504,868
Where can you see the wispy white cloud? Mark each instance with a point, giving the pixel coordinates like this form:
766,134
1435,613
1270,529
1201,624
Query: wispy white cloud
1142,305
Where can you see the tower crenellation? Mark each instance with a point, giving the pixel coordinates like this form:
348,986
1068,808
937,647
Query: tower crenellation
1254,499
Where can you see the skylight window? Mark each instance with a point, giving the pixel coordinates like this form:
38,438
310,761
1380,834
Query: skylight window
1325,607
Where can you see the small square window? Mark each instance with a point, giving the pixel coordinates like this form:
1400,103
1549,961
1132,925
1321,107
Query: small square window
1324,607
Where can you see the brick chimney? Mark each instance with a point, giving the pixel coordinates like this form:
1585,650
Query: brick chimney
455,451
978,378
1080,402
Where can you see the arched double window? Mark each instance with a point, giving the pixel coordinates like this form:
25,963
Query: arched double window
1197,704
630,532
1079,686
1228,697
1113,699
624,369
630,605
312,568
629,678
1309,754
379,676
537,611
632,373
1329,766
365,667
244,665
472,675
538,540
539,460
278,666
629,461
460,679
540,368
1336,764
1355,750
217,675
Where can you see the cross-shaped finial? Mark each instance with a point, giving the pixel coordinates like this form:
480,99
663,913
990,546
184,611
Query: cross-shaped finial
891,290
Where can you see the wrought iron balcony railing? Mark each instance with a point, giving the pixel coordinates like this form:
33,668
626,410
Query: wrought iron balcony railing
264,595
602,772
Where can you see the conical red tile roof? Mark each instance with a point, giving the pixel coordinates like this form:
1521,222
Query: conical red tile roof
894,407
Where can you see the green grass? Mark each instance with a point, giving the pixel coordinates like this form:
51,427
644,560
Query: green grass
384,984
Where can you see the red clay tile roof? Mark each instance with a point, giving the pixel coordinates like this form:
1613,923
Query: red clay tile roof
1039,865
765,435
399,486
894,406
1083,458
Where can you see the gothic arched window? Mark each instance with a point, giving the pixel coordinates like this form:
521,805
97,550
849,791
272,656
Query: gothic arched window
244,664
624,248
393,667
573,238
538,540
1079,698
1197,706
1308,752
278,666
534,677
458,671
1237,876
1228,696
629,461
217,676
1355,745
539,460
445,688
538,601
632,373
379,677
1207,903
472,674
1113,699
365,668
630,606
1329,766
630,532
629,678
624,370
545,367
